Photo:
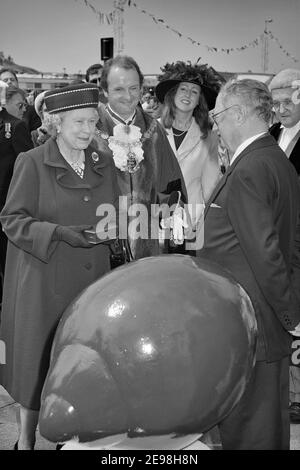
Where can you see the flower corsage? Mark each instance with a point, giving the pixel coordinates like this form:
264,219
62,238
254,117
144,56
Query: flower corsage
126,147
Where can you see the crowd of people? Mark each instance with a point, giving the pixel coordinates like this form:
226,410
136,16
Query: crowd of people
206,150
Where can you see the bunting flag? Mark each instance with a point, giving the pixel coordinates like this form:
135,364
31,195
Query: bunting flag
108,18
271,35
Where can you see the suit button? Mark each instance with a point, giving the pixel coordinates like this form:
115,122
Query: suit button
88,266
86,198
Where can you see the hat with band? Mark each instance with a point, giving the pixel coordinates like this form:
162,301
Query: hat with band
84,95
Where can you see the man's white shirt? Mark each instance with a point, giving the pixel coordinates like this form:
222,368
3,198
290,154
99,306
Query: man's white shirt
287,134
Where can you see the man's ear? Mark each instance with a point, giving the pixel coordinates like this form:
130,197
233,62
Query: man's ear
240,115
105,93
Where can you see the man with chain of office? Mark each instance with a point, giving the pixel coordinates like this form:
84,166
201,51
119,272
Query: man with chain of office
148,172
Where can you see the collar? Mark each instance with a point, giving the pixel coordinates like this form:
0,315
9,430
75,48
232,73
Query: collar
64,176
291,131
118,119
244,145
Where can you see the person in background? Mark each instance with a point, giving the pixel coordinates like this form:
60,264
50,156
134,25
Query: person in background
145,100
252,222
31,96
147,169
93,75
53,198
154,108
285,89
30,117
14,138
188,92
44,132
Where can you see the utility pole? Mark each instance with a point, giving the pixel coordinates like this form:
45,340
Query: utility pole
265,46
118,25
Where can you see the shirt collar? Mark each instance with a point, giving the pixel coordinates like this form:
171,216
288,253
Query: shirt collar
244,145
118,119
291,130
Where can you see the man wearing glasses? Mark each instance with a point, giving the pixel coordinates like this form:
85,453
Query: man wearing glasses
285,89
250,227
30,117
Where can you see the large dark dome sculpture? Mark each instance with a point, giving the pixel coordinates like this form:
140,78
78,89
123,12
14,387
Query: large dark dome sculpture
162,345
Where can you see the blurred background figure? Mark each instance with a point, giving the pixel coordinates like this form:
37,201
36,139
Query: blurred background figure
188,92
14,138
145,100
30,117
31,96
42,133
93,75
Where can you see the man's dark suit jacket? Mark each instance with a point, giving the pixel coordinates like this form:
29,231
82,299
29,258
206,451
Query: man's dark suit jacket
295,154
250,229
10,147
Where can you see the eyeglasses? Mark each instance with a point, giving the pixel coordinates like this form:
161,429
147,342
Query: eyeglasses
214,115
21,105
285,104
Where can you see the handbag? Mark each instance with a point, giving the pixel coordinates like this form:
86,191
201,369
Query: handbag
120,253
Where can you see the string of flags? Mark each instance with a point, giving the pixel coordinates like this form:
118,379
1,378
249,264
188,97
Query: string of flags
108,18
280,46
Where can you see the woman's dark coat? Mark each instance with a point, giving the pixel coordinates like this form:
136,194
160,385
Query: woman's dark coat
43,276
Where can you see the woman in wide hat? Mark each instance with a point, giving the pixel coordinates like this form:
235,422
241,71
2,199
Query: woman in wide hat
188,91
55,195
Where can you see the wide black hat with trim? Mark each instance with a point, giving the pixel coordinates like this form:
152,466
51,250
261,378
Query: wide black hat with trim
83,95
206,77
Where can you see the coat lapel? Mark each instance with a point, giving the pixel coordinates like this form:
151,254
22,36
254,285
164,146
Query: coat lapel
264,140
63,173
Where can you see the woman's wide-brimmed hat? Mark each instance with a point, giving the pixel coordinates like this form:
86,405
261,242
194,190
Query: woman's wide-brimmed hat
71,97
206,77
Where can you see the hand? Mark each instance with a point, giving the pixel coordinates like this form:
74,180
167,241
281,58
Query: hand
296,331
73,235
177,223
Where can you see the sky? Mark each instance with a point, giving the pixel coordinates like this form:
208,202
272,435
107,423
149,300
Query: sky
64,35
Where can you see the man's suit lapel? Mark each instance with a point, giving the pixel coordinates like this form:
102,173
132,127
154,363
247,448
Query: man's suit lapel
265,139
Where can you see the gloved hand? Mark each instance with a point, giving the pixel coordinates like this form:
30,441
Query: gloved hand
296,331
72,235
176,223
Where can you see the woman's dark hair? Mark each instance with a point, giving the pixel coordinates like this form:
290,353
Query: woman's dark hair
123,61
200,112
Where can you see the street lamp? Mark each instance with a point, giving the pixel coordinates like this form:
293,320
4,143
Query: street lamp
265,45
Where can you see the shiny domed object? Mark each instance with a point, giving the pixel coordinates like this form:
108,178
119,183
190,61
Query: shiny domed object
162,345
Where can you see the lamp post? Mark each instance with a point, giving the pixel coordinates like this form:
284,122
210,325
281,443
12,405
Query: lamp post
118,25
265,45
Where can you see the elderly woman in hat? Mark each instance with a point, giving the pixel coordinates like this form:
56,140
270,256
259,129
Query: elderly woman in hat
188,92
55,193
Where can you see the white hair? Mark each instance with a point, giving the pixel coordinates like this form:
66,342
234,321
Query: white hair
284,78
